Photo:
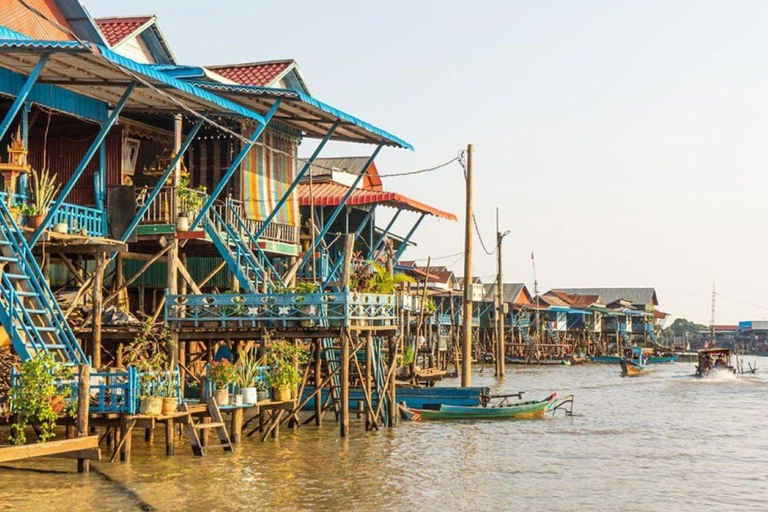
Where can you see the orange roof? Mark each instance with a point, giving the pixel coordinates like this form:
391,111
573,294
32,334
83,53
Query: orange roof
117,28
331,194
253,73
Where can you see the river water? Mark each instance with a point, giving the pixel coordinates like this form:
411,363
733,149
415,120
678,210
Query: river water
660,442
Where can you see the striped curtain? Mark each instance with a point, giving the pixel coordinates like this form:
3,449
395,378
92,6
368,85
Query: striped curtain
267,173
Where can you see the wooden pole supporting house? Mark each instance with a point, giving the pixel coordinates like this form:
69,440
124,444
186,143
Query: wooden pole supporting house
349,242
318,381
466,352
173,289
369,419
83,402
183,344
391,383
122,298
98,303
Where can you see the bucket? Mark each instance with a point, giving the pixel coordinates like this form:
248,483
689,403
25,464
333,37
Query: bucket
151,405
221,396
249,395
169,406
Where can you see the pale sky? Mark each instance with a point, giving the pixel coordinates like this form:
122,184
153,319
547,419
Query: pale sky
623,141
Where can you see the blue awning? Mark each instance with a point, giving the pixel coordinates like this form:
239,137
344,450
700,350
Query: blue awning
570,311
99,73
305,113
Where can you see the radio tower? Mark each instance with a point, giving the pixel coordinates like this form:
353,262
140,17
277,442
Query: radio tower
712,317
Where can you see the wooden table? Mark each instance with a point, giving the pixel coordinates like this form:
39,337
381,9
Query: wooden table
269,414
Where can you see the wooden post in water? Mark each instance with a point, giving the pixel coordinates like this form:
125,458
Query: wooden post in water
173,289
81,422
349,242
98,303
318,381
392,382
368,377
466,352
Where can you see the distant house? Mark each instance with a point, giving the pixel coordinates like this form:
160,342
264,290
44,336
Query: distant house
137,37
638,298
514,294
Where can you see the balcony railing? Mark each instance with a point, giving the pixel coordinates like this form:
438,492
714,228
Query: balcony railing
280,310
77,217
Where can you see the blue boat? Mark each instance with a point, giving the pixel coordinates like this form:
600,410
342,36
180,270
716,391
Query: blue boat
650,360
415,397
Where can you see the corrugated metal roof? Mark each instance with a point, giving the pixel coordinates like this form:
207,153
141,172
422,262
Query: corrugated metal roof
331,194
637,296
305,113
510,291
74,67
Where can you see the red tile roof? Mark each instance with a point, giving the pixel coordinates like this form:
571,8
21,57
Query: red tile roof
117,28
331,194
253,73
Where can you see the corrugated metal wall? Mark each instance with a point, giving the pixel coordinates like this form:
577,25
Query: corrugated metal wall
156,275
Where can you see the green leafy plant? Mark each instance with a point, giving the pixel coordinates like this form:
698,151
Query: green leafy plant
39,397
281,359
248,369
429,306
305,287
222,373
191,199
375,278
148,352
409,356
45,187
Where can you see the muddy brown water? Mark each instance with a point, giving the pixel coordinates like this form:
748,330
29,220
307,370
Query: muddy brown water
664,441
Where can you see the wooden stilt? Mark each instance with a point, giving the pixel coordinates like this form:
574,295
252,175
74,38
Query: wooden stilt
318,381
81,421
98,296
368,377
391,384
344,362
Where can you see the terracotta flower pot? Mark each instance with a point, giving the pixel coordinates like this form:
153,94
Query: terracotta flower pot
35,221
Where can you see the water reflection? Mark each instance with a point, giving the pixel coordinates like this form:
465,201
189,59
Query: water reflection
664,441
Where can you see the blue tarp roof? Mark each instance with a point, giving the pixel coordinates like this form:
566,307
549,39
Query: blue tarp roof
562,309
306,113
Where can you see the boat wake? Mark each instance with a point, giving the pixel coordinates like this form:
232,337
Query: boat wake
720,376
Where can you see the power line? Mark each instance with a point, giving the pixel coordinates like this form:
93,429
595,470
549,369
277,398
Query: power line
420,171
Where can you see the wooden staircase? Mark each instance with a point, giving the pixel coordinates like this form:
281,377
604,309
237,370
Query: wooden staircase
197,431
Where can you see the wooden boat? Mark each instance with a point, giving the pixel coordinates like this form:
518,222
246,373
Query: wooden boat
660,359
635,362
531,409
417,397
713,360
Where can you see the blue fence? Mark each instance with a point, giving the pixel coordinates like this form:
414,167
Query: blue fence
79,218
280,309
117,391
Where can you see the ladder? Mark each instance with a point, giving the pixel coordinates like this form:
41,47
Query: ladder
29,312
195,430
232,247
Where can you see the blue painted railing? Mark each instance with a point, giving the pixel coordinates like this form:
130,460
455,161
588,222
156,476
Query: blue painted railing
116,392
280,309
77,217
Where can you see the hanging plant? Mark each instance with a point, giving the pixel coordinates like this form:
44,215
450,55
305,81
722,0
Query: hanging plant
39,398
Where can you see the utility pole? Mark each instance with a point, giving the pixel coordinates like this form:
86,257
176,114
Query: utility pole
501,343
466,347
712,318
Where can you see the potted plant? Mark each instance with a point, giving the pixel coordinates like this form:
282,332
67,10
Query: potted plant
190,201
283,374
147,352
222,374
167,391
39,398
248,376
44,191
302,289
261,391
